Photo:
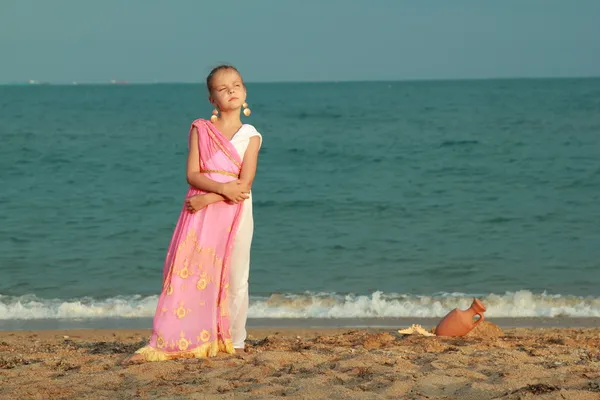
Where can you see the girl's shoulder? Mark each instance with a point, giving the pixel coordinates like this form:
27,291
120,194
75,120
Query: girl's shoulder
250,131
251,128
198,123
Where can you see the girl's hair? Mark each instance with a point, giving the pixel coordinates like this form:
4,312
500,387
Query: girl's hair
221,67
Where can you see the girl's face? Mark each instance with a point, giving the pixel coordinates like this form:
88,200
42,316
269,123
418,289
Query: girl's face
227,90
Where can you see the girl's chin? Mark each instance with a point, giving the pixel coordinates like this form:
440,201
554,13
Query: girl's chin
231,107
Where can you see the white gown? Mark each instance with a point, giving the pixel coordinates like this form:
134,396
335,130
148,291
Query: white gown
240,257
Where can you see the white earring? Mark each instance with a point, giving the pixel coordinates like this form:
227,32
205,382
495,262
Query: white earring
247,111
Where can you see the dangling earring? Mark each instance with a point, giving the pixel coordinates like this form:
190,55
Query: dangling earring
215,116
247,111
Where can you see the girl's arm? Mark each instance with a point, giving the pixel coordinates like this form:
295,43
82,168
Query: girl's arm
198,180
247,175
194,177
250,162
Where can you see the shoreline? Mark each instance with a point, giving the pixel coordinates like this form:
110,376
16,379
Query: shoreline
301,363
297,323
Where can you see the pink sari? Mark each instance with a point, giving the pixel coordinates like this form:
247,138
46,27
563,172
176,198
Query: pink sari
192,316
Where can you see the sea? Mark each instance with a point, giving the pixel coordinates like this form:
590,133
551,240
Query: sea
374,202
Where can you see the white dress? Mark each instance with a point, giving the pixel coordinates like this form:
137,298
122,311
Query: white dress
240,257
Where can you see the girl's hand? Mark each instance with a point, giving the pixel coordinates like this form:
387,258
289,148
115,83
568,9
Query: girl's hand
196,203
235,191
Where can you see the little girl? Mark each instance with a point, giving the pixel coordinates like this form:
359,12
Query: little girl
203,306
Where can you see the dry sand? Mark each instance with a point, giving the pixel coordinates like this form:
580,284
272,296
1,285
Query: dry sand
540,363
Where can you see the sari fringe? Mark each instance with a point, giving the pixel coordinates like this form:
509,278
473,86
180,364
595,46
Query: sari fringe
210,349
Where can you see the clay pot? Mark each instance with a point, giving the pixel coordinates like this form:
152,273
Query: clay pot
458,322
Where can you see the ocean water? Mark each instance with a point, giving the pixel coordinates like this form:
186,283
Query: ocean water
381,199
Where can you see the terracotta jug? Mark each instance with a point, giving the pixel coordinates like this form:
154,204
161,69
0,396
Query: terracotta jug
458,322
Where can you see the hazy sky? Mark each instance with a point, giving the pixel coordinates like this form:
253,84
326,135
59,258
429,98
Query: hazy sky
301,40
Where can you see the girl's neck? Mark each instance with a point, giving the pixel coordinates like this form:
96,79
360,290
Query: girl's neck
230,118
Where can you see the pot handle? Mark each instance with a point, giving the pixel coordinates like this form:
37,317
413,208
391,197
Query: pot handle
478,321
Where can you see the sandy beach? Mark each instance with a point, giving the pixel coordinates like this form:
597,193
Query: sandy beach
518,363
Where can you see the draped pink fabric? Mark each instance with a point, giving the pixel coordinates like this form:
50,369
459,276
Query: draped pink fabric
192,316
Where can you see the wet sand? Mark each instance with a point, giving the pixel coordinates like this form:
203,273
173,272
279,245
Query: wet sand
331,363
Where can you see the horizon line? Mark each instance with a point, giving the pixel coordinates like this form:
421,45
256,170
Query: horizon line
125,82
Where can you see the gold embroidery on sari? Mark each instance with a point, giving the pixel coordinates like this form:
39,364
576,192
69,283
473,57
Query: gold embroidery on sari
211,252
218,171
160,342
184,272
201,284
191,236
204,336
181,311
183,343
208,349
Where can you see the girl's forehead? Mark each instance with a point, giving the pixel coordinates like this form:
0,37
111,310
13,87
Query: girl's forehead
226,76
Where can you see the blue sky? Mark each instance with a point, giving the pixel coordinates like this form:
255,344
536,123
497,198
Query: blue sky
302,40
